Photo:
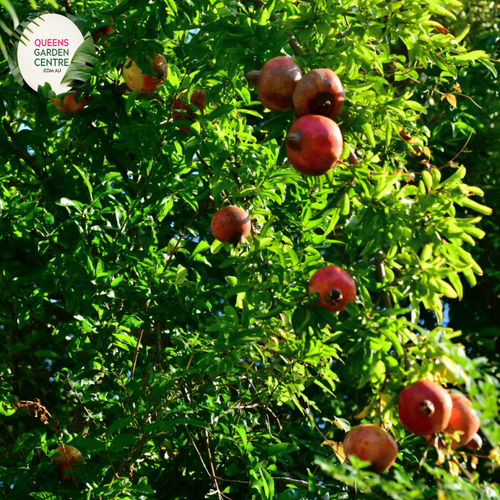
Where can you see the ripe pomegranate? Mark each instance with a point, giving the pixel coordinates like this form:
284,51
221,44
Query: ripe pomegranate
314,144
276,83
67,104
373,443
231,225
424,408
319,92
335,287
197,98
141,82
102,32
69,457
475,444
462,419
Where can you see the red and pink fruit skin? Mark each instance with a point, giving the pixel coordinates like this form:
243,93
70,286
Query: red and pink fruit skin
67,104
276,82
143,83
326,278
230,225
314,144
319,92
413,396
462,419
372,443
69,457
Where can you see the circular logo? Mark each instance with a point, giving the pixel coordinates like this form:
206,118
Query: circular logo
50,50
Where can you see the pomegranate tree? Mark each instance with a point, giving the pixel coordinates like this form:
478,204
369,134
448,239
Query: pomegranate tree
424,408
319,92
371,443
314,144
230,225
143,83
69,457
335,287
276,82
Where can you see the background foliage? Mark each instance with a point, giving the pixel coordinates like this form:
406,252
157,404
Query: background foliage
183,368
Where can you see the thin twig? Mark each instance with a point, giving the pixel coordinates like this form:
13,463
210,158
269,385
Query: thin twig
211,462
432,442
460,152
464,471
136,353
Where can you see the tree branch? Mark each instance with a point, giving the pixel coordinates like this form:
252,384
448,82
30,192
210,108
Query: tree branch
67,6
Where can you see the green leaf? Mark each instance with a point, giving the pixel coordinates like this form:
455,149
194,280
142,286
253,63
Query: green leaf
172,5
292,255
470,56
223,110
45,353
367,128
165,207
87,183
396,343
119,424
488,64
482,209
462,34
280,449
181,275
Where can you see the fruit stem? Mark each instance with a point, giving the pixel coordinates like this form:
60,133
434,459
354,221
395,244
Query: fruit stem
253,76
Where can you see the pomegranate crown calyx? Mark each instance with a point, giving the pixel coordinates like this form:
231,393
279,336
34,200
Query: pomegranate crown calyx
333,297
426,408
253,76
293,140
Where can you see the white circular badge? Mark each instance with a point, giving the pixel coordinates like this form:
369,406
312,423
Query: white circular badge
50,49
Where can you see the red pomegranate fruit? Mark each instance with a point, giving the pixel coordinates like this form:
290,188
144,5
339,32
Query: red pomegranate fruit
475,444
143,83
102,32
424,408
69,457
462,419
335,287
231,225
372,443
319,92
67,103
314,144
197,98
276,82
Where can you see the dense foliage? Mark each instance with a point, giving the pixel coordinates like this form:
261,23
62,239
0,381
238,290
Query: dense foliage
184,368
